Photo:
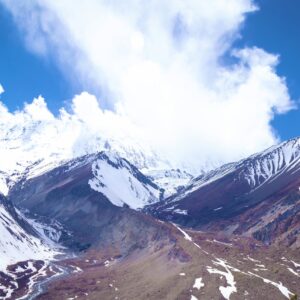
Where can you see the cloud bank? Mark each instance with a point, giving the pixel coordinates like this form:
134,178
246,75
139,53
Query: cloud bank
34,135
163,66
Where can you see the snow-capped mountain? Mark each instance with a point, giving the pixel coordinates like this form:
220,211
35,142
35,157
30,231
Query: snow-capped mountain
85,193
271,163
255,170
33,141
19,240
108,174
32,151
89,197
263,187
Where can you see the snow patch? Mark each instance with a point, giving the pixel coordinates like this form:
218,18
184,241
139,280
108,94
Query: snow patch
294,272
186,236
198,283
231,284
252,259
180,211
284,290
218,208
295,264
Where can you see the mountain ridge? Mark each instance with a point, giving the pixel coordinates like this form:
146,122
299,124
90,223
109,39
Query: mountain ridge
261,184
240,219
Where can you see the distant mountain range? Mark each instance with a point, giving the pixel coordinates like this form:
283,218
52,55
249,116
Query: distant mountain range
30,148
120,223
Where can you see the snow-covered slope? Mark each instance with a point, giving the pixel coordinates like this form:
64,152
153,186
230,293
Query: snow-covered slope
4,183
171,181
271,163
87,196
115,178
32,151
16,242
121,182
33,141
256,170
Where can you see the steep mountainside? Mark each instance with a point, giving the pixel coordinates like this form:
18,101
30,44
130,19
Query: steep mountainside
88,196
248,246
257,196
88,200
19,240
121,182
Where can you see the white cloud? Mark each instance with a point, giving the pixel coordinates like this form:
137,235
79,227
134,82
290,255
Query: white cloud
33,134
38,110
1,89
159,64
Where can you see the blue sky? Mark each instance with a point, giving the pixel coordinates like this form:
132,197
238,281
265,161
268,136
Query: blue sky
25,75
275,28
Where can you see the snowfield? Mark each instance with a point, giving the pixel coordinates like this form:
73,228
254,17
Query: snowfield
119,182
17,245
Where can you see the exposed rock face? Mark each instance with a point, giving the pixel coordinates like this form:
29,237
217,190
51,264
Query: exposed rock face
257,196
248,214
88,214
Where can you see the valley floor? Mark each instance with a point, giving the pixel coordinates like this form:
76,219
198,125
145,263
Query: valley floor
193,265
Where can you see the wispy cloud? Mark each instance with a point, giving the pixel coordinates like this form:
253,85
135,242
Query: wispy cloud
34,134
159,64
